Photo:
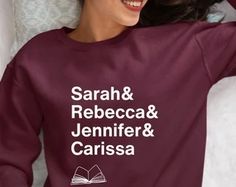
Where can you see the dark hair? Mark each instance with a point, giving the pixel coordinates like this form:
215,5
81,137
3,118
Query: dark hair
157,12
81,2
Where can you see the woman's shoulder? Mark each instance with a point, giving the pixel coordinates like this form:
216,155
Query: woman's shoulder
36,48
40,42
184,29
41,39
183,25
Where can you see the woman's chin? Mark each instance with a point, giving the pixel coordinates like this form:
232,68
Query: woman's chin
129,22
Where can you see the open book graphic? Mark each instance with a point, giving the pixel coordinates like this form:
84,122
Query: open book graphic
83,176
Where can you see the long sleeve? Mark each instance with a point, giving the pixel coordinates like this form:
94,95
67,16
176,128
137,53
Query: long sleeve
218,45
20,120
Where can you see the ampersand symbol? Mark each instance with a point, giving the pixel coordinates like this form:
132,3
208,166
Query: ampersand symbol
152,113
127,95
148,131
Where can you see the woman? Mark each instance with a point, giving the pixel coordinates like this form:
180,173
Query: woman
120,104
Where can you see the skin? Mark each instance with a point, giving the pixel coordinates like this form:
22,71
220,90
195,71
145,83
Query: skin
103,19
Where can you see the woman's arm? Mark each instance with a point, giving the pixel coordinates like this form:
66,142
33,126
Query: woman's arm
217,42
20,119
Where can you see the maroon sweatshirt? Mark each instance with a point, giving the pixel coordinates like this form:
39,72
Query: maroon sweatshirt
129,111
232,2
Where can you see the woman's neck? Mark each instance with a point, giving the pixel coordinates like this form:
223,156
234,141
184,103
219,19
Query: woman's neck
93,27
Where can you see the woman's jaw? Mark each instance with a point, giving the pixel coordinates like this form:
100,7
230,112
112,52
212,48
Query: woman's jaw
121,12
103,19
131,11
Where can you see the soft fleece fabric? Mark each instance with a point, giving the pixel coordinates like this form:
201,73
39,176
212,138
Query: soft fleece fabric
171,67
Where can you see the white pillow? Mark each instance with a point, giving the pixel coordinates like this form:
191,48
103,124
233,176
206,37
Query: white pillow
36,16
7,33
228,10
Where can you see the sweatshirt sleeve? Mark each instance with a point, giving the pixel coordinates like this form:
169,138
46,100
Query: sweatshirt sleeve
20,120
218,45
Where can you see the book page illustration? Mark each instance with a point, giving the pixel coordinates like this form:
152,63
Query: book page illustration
83,176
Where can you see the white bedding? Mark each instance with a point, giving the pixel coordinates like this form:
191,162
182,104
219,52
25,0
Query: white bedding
7,33
34,16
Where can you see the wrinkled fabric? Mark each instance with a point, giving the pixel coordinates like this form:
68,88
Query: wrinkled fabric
170,68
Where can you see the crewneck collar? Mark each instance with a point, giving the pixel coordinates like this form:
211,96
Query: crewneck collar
64,31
